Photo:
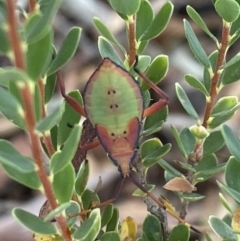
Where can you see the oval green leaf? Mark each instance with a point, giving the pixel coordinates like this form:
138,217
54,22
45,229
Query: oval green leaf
232,142
159,23
232,174
61,159
110,236
11,108
152,228
51,120
125,6
63,189
227,9
90,228
195,46
222,229
107,51
38,56
67,50
144,18
199,21
195,83
11,157
182,97
157,70
180,233
32,222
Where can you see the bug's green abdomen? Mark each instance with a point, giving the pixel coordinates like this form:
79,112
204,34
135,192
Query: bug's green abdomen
112,97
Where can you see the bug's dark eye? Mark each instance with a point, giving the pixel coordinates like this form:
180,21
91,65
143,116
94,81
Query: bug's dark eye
112,134
116,106
124,132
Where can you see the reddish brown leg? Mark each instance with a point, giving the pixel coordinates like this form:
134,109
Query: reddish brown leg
72,102
160,103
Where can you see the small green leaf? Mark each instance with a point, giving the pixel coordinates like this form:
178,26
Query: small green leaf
67,50
90,228
232,61
82,178
221,228
149,146
157,70
139,193
106,33
199,21
188,140
49,87
217,121
228,10
207,162
29,179
159,23
63,190
56,212
178,140
232,142
153,157
38,56
211,171
179,233
191,80
114,221
224,105
144,18
169,168
11,108
156,118
69,117
11,157
191,197
231,192
110,236
32,222
232,173
61,159
125,6
39,28
153,129
88,198
182,97
207,73
213,143
195,46
231,74
224,202
70,211
152,228
107,51
51,120
9,74
107,215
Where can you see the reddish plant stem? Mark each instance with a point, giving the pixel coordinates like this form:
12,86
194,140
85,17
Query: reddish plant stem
131,40
19,62
213,90
13,36
32,5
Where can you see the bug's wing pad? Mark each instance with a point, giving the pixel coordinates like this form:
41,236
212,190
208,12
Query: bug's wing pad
119,143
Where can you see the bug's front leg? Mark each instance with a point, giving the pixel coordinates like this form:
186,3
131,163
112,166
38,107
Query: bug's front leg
72,102
161,102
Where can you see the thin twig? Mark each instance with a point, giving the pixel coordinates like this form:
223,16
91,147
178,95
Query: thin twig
132,40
